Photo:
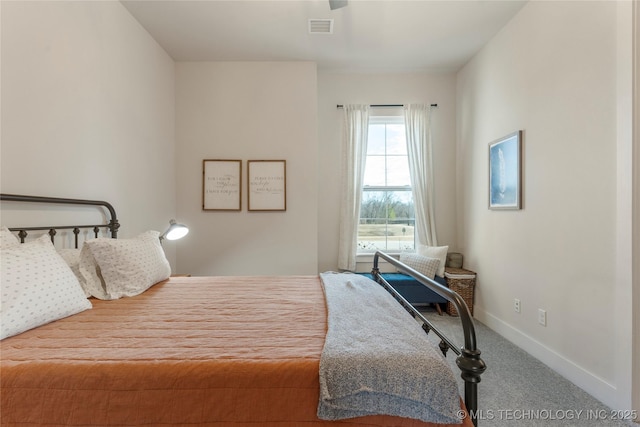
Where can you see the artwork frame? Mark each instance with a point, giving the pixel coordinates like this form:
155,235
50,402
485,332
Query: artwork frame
267,185
221,185
505,172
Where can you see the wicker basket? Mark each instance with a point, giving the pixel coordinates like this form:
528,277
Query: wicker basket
463,282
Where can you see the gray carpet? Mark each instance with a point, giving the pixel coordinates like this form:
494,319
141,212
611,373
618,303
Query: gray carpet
519,390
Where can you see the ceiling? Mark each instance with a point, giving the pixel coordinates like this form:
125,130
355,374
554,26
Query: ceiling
368,35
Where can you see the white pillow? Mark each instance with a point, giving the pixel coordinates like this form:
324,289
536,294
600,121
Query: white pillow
37,287
420,263
72,258
116,268
7,238
439,252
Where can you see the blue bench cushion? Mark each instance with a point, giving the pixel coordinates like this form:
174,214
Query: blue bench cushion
412,290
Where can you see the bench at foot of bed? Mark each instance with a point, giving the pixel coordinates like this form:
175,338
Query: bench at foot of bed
413,291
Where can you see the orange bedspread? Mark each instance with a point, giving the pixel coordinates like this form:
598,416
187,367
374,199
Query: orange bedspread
196,351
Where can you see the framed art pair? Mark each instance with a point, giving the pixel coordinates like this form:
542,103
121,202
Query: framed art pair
222,185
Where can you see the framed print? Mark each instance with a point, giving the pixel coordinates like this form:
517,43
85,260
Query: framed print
505,172
267,182
221,185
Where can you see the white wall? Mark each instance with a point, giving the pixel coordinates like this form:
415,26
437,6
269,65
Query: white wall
636,212
552,72
247,111
87,110
625,195
339,89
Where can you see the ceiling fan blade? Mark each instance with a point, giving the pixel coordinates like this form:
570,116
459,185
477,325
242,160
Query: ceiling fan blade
337,4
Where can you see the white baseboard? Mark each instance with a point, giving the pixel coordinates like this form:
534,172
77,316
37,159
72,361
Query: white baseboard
592,384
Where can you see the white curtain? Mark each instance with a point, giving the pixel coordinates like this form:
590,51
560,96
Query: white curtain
354,152
418,130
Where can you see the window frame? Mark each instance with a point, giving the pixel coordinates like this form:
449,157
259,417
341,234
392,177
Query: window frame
386,119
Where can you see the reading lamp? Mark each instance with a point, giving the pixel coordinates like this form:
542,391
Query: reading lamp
175,231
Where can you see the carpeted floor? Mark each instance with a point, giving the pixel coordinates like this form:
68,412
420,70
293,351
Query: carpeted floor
518,390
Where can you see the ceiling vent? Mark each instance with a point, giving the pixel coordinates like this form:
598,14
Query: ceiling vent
320,26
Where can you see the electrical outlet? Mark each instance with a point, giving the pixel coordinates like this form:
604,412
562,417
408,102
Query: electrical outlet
516,305
542,317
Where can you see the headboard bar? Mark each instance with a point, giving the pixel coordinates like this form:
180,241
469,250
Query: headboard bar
57,227
113,225
52,230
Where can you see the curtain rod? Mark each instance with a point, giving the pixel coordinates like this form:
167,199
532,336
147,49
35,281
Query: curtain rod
385,105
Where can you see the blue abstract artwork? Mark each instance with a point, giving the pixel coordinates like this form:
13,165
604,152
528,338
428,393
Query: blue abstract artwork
504,172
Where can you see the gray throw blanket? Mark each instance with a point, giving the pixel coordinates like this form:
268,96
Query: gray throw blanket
377,359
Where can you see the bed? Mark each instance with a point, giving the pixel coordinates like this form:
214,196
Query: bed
196,351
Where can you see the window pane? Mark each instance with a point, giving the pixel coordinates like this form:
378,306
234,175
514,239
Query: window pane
372,229
387,221
396,141
402,204
374,171
373,205
376,140
372,236
398,171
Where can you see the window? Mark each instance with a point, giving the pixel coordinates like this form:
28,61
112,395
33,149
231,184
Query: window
387,215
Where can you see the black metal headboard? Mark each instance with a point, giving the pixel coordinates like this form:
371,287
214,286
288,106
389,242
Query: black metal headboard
112,224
